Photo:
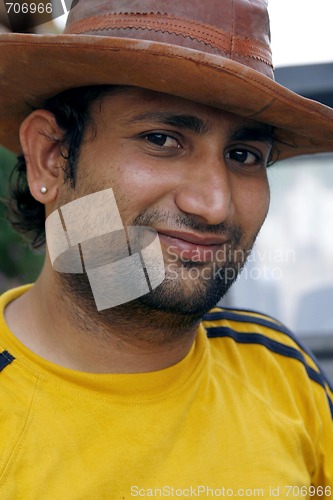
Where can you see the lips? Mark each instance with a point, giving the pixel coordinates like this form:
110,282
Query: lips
191,246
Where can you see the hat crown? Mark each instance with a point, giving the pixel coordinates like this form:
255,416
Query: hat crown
234,29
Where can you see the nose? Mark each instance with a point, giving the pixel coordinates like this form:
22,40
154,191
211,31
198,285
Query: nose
206,191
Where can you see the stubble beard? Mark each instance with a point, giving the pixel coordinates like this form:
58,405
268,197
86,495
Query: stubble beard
189,290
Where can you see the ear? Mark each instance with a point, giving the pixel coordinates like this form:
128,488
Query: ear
40,136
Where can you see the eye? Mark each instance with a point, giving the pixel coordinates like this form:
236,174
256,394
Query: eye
244,156
162,140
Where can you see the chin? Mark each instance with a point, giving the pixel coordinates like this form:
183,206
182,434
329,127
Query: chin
188,297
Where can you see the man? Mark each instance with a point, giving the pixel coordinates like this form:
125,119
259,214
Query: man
146,131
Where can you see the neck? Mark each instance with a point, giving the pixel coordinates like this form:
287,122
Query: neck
69,331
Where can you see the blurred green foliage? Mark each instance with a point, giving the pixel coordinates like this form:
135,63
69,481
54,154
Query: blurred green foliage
18,263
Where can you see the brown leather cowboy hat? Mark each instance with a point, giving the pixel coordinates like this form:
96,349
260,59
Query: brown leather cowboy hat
215,52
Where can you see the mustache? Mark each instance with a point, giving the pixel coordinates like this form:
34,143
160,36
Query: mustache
187,221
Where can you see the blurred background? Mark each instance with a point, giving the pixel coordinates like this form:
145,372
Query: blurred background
290,273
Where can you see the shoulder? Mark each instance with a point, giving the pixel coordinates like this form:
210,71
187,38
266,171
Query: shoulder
259,344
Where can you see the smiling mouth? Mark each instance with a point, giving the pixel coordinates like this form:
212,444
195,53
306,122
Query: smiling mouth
192,247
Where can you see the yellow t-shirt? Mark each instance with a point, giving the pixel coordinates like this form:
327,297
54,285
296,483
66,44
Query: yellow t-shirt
246,413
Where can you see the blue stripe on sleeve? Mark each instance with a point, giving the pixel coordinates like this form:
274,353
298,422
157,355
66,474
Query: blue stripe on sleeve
5,359
272,345
225,314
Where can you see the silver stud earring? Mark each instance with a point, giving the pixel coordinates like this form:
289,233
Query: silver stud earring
43,189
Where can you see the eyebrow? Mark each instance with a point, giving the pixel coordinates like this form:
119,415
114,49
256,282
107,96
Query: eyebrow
186,122
260,133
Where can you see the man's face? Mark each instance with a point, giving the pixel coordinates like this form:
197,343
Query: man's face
195,174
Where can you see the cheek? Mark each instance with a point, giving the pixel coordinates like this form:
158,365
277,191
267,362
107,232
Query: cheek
138,187
252,205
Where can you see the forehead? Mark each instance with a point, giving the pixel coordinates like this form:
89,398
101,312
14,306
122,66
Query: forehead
132,104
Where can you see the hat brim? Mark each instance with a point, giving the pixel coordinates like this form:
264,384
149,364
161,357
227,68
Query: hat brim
35,67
